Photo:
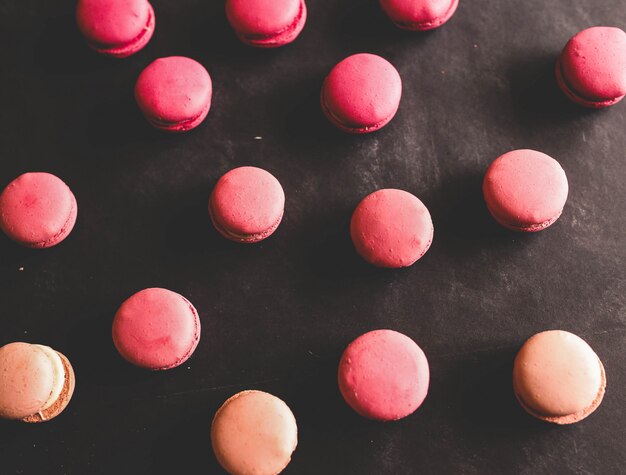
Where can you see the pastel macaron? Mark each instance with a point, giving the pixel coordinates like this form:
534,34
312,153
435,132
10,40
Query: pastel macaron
174,93
591,69
558,378
266,23
117,28
361,94
419,15
156,329
391,228
384,375
254,433
36,382
525,190
247,204
37,210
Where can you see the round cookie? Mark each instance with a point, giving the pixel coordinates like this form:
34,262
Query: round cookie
156,329
384,375
558,378
254,433
419,15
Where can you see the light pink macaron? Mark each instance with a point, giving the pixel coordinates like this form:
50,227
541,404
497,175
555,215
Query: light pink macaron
419,15
384,375
361,94
37,210
247,204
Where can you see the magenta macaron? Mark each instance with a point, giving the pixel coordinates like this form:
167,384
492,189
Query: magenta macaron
391,228
156,329
384,375
361,94
247,204
117,28
591,69
525,190
266,23
174,93
419,15
37,210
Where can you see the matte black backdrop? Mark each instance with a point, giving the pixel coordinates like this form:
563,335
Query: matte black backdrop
276,316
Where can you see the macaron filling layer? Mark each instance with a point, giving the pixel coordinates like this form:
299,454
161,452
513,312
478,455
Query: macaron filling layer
576,96
180,126
530,228
349,127
246,238
280,37
58,375
428,24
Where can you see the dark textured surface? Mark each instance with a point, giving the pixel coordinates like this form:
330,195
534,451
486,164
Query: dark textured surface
276,316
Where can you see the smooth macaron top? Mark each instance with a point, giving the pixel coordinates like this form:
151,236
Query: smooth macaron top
362,92
156,329
37,210
419,14
593,64
247,204
254,433
384,375
525,190
391,228
558,377
262,18
173,90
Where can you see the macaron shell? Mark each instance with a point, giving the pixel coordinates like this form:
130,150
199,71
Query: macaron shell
262,18
391,228
384,375
557,377
156,329
419,14
254,433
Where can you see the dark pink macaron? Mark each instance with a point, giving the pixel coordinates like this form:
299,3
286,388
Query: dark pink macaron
266,23
384,375
591,70
419,15
525,190
247,204
361,94
174,93
37,210
116,28
391,228
156,329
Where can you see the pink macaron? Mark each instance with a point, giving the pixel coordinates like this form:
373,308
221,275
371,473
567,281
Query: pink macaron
247,204
174,93
361,94
525,190
37,210
391,228
116,28
266,23
591,70
419,15
156,329
384,375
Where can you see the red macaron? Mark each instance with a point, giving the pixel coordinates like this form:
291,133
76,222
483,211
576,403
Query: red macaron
266,23
419,15
391,228
117,28
591,69
37,210
174,93
361,94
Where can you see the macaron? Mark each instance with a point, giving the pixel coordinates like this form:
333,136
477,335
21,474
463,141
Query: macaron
254,433
266,23
247,204
383,375
117,28
525,190
558,378
591,69
419,15
174,93
361,94
391,228
36,382
37,210
156,329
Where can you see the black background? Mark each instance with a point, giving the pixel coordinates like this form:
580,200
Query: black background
277,315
